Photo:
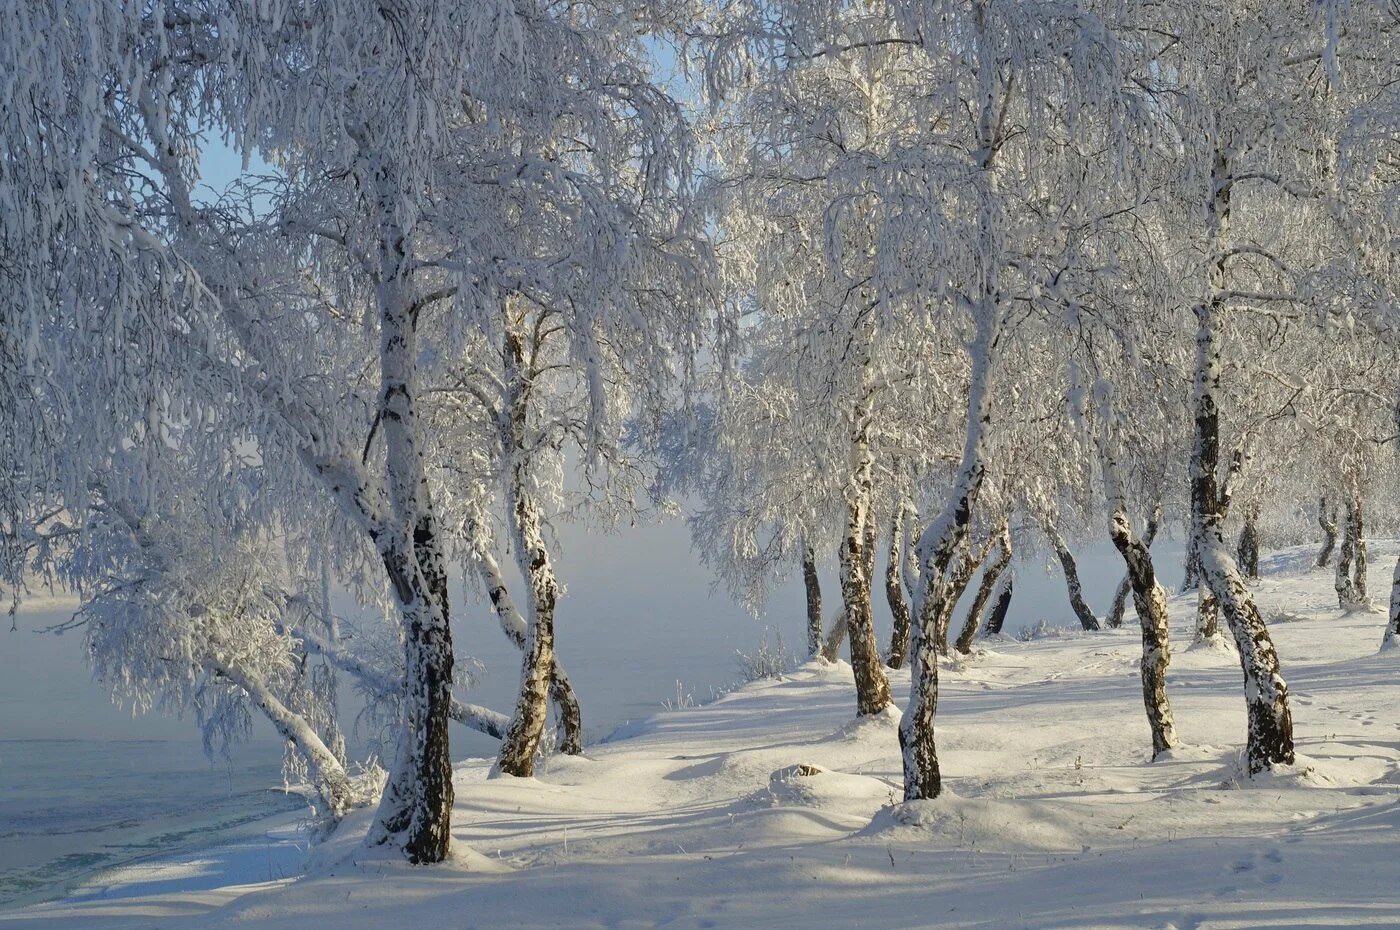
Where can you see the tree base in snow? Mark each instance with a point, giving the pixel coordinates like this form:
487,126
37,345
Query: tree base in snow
1216,642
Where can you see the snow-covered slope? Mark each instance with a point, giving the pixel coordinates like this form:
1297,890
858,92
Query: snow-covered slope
1054,818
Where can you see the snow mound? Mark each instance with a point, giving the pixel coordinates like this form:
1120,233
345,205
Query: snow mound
869,727
983,823
805,785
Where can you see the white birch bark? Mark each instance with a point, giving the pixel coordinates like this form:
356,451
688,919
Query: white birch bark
1270,722
521,742
937,547
855,562
417,803
327,774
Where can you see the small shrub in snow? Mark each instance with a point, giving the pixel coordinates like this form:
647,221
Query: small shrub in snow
1042,630
682,701
771,660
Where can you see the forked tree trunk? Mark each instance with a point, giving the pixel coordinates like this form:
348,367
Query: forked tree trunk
1001,603
988,584
1247,551
1270,722
561,689
522,739
1327,519
1150,600
1350,576
1082,613
894,593
856,561
814,600
1120,595
1392,627
415,809
1149,597
941,541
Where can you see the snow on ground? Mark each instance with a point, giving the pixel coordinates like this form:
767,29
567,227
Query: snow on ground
700,817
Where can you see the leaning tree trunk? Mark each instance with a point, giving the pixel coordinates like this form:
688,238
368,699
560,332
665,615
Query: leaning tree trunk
1001,603
416,809
990,580
1082,613
1120,596
938,545
561,689
1392,627
1327,519
894,593
327,773
831,649
1270,723
814,600
522,739
856,564
1247,551
472,716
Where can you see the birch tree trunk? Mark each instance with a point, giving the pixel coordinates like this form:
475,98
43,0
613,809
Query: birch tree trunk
894,592
814,601
1192,578
1149,597
1082,613
1150,601
989,583
1392,627
1358,551
522,739
831,649
1270,726
1350,574
1327,519
1207,618
938,545
561,689
856,563
1120,596
417,802
416,807
327,773
1001,603
1247,551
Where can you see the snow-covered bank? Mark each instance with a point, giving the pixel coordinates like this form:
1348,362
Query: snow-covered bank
699,817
